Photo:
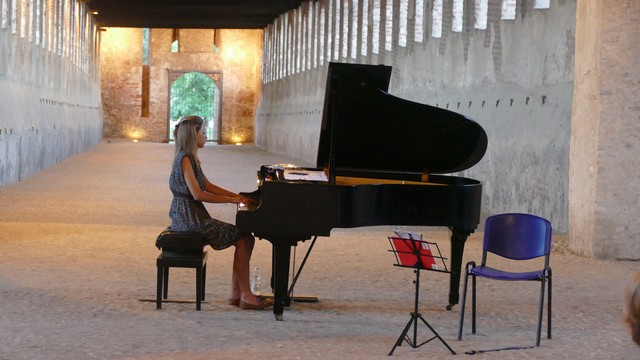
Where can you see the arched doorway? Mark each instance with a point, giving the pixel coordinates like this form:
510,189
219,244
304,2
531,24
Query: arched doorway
195,93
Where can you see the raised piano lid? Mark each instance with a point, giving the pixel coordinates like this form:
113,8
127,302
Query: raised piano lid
366,132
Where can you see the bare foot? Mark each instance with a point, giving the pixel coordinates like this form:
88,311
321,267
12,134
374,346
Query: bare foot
251,299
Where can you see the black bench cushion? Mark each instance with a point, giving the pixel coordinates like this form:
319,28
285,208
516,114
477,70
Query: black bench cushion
180,242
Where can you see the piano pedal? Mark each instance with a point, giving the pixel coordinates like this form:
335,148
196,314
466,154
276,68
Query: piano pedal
296,298
305,298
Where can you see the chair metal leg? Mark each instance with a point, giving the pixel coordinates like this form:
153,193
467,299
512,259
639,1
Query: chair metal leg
473,304
549,287
543,284
462,305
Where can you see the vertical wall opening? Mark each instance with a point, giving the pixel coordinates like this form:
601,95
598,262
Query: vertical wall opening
175,41
418,33
436,19
195,93
403,23
144,103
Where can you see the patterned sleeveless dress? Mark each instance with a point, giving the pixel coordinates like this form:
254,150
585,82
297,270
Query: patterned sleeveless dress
188,214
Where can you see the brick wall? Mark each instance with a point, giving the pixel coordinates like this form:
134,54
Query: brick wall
236,61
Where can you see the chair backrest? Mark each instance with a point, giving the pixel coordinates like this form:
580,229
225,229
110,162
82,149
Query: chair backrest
517,236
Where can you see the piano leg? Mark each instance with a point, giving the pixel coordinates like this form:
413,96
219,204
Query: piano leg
281,258
458,239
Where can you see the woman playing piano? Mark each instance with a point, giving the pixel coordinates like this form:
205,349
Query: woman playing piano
190,188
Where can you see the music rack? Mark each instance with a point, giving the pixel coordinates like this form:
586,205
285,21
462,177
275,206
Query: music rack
417,253
412,252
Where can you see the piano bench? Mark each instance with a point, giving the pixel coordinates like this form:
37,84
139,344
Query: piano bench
188,254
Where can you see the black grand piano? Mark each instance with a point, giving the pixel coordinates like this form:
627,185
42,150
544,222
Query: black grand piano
382,156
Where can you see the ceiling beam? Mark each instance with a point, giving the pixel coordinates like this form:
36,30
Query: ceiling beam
208,14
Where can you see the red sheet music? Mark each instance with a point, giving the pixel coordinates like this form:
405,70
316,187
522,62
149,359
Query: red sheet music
406,253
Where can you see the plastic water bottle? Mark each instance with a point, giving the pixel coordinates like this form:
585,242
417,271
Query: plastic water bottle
256,282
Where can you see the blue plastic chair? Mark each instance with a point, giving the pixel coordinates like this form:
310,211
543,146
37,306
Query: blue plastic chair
516,237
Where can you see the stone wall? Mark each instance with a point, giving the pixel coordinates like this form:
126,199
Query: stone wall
235,61
49,87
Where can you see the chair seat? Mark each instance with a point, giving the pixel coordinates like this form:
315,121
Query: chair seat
489,272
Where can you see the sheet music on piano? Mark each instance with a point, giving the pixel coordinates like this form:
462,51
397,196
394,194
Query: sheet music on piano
305,175
291,172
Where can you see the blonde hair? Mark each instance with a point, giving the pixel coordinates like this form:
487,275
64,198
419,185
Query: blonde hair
632,307
185,134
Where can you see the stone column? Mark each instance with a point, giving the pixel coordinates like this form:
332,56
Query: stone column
604,179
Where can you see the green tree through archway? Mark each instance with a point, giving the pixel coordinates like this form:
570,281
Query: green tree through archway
192,94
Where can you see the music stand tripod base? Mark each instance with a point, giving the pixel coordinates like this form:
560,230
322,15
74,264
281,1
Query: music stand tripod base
413,343
415,315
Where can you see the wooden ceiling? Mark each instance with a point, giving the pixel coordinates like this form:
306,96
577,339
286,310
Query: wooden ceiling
195,14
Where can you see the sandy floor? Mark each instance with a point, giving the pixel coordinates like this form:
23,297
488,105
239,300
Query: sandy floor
77,247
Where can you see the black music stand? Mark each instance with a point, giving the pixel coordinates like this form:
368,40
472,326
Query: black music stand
419,255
